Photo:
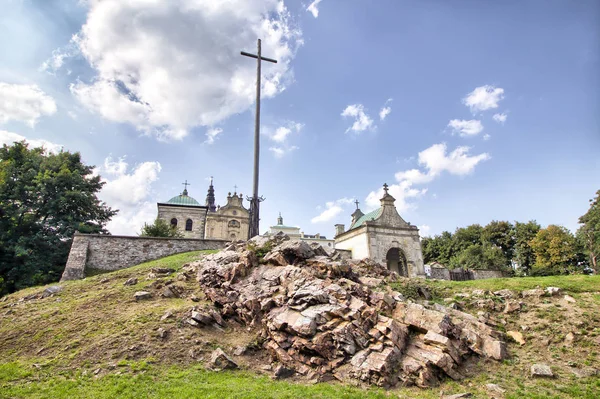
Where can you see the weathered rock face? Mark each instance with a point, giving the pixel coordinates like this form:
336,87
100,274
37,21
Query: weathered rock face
320,316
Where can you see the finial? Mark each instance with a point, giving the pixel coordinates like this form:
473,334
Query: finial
356,202
211,180
234,189
185,191
385,188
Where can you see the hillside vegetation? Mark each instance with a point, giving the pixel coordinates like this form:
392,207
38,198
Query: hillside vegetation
92,339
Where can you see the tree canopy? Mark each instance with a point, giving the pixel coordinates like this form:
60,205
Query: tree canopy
160,228
44,199
589,233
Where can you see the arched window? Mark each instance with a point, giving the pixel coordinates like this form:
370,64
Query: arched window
188,225
233,223
174,222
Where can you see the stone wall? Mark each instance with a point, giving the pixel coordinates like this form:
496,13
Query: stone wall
481,274
107,253
441,273
382,239
182,213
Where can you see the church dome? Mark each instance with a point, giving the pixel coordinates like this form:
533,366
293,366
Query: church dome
183,199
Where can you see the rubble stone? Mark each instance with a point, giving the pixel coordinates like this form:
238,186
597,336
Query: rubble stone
220,361
131,281
541,370
536,293
141,295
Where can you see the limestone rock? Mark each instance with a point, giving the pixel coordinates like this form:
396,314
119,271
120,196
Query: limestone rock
541,370
569,338
512,306
141,295
553,291
584,372
162,333
131,281
517,337
536,293
505,293
53,289
495,389
220,361
569,299
458,396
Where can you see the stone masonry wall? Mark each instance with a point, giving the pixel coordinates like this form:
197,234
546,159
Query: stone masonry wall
105,252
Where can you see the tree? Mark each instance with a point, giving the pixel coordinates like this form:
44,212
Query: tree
44,199
523,253
480,256
466,236
589,233
160,228
500,234
555,251
439,248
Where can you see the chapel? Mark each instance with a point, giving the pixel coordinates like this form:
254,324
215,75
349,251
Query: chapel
385,237
208,221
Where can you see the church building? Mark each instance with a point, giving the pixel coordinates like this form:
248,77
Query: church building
210,221
384,236
296,235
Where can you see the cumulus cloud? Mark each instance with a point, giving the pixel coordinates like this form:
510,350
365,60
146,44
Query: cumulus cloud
9,138
434,160
484,98
282,151
179,65
424,230
212,133
362,121
58,57
312,8
24,103
385,110
465,128
486,137
128,190
500,118
332,209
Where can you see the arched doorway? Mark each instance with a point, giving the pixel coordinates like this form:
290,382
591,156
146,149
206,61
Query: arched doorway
396,261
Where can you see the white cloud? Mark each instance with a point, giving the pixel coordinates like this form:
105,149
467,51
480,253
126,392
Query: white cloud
58,57
129,193
332,209
179,65
385,110
434,161
282,151
362,121
500,118
484,98
24,103
312,8
9,138
486,137
424,230
466,128
212,133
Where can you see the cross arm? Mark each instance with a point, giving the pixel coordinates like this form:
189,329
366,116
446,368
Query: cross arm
255,56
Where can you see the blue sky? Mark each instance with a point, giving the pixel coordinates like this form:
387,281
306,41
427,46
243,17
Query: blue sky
470,110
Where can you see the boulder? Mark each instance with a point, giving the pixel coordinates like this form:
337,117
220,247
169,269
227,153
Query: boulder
569,299
220,361
141,295
505,293
52,290
541,370
535,293
281,372
131,281
517,337
553,291
512,306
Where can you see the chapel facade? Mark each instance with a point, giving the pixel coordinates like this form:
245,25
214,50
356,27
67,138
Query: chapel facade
208,221
385,237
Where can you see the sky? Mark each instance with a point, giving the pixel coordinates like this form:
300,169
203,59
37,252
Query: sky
471,111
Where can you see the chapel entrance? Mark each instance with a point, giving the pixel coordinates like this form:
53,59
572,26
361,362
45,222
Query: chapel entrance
396,261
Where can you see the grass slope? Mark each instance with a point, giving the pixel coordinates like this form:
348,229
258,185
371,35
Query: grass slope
92,340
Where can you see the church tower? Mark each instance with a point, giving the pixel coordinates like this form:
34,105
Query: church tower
210,197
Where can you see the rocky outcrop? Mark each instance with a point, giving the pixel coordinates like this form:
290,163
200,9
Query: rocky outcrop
324,318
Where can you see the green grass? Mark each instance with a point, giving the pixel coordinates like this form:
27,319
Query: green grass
569,284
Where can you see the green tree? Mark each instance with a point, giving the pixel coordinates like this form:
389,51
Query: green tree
44,199
160,228
464,237
523,253
555,251
589,233
439,248
500,234
480,256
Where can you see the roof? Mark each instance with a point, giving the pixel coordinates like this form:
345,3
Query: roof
367,218
183,200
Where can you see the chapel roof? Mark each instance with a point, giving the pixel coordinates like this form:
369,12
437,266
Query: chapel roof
367,218
183,199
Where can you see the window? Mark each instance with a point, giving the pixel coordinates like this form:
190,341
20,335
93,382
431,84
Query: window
233,223
188,225
174,222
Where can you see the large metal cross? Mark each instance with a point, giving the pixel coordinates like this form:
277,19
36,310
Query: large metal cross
255,199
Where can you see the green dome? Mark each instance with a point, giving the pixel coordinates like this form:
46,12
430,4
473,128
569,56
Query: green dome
183,199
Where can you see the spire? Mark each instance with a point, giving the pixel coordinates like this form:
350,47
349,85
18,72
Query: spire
279,220
387,199
357,213
210,197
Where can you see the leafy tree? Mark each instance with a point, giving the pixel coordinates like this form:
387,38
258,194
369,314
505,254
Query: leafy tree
160,228
500,234
466,236
523,253
439,248
480,256
44,199
589,233
555,251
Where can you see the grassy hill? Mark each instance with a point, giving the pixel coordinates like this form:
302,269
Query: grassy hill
94,340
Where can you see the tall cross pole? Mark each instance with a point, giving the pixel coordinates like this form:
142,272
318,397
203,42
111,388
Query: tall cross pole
255,200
